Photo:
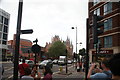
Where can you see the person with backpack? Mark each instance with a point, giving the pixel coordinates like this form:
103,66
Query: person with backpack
22,68
104,75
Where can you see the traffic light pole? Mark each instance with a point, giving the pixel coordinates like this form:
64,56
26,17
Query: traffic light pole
96,52
87,49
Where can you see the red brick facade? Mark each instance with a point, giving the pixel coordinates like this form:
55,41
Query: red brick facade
114,32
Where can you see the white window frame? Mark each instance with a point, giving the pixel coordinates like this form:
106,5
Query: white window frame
108,24
108,41
107,8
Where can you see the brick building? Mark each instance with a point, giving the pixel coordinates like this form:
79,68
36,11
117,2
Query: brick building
110,38
25,47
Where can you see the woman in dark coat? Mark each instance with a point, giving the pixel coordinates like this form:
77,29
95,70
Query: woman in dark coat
47,73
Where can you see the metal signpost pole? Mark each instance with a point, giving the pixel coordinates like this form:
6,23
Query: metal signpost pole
17,43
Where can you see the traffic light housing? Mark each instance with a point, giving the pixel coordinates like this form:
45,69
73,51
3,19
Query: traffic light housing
99,47
97,24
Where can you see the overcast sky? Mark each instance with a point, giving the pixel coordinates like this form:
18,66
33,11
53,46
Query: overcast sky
49,18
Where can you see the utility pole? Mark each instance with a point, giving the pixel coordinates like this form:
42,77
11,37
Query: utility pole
76,45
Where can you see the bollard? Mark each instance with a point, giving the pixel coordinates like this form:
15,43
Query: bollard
61,68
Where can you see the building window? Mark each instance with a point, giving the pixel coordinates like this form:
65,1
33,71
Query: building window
6,21
96,2
108,24
0,35
5,29
107,8
4,42
108,41
5,36
97,11
1,19
1,26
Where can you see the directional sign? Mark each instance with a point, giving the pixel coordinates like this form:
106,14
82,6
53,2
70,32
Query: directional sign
36,48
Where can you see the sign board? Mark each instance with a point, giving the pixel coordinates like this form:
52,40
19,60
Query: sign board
36,48
103,52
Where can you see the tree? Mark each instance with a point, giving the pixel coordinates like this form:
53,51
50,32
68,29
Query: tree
58,48
82,52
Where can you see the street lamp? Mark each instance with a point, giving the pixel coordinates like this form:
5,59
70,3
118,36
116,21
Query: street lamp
76,42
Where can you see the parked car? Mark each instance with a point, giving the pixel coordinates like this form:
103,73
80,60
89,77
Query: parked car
46,63
55,61
69,61
30,62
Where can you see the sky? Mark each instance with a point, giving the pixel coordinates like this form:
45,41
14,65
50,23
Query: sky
48,18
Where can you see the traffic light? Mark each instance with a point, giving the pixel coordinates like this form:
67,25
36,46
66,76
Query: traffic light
99,47
96,25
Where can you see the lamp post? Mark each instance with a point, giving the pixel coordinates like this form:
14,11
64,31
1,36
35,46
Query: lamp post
76,43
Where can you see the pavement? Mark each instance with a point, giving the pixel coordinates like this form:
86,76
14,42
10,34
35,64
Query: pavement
71,74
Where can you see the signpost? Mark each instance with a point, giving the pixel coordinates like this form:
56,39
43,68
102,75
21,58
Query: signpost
36,49
17,43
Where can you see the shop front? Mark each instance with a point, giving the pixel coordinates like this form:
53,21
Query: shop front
102,55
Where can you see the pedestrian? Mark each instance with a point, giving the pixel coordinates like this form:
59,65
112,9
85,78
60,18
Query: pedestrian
114,64
104,75
47,73
22,68
27,75
96,69
35,72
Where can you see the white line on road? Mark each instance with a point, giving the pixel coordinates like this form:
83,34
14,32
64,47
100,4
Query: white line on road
9,69
10,76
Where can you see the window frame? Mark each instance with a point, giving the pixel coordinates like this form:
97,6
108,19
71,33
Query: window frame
108,41
108,24
107,8
97,11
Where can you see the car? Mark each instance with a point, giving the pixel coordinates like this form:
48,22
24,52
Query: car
69,61
61,62
46,63
30,62
55,61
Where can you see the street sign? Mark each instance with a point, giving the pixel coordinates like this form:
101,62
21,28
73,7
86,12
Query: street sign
36,48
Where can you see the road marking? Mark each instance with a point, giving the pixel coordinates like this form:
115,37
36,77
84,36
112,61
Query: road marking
9,69
10,76
6,62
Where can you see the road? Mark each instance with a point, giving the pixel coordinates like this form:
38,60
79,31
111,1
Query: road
8,73
8,70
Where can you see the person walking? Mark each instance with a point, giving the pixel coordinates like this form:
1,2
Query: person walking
27,75
22,68
35,72
47,73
